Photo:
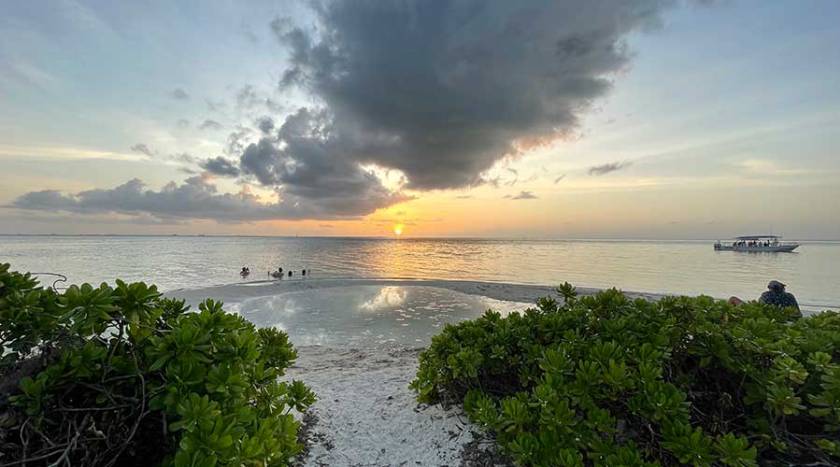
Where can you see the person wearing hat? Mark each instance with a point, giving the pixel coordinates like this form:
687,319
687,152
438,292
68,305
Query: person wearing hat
776,295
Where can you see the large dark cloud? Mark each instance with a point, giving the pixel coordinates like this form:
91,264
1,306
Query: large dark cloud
196,198
439,90
443,90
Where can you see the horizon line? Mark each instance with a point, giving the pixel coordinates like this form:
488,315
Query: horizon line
395,238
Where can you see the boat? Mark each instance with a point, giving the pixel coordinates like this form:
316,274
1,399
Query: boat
757,244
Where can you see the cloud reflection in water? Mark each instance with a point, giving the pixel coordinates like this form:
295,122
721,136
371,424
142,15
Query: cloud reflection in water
364,316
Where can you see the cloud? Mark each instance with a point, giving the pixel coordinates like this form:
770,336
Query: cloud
604,169
214,106
308,161
195,198
437,91
265,124
515,177
524,195
220,166
179,94
494,182
274,106
45,200
236,140
142,148
443,90
302,162
259,159
182,123
182,157
247,97
558,179
210,125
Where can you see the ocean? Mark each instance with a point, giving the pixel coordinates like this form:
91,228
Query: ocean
673,267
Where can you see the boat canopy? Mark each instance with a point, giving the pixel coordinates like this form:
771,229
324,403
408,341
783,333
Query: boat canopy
756,237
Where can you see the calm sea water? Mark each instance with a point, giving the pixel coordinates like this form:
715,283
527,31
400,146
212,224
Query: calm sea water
678,267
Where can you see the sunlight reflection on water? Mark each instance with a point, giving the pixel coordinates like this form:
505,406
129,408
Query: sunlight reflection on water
678,267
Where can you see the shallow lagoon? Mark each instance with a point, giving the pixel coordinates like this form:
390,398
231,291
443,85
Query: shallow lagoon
365,316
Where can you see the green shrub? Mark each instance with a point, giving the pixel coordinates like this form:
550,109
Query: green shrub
605,380
123,376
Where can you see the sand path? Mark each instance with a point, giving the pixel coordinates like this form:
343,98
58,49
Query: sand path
367,416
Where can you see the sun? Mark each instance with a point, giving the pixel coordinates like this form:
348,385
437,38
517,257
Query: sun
398,229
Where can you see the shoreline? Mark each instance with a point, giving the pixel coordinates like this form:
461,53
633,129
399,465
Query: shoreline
237,292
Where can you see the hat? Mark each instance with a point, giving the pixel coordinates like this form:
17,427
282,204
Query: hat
775,285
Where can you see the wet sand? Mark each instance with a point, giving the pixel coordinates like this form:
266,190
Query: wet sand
234,293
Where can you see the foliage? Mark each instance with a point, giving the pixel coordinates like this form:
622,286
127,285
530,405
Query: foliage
122,376
606,380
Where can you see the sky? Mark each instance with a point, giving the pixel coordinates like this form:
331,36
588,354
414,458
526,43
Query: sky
536,119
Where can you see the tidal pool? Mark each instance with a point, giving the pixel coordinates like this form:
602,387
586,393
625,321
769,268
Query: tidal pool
361,316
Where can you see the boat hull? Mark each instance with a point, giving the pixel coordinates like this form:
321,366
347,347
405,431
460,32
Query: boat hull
759,249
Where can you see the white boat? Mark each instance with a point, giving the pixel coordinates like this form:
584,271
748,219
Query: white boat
757,244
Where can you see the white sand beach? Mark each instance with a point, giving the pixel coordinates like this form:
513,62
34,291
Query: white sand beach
366,415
